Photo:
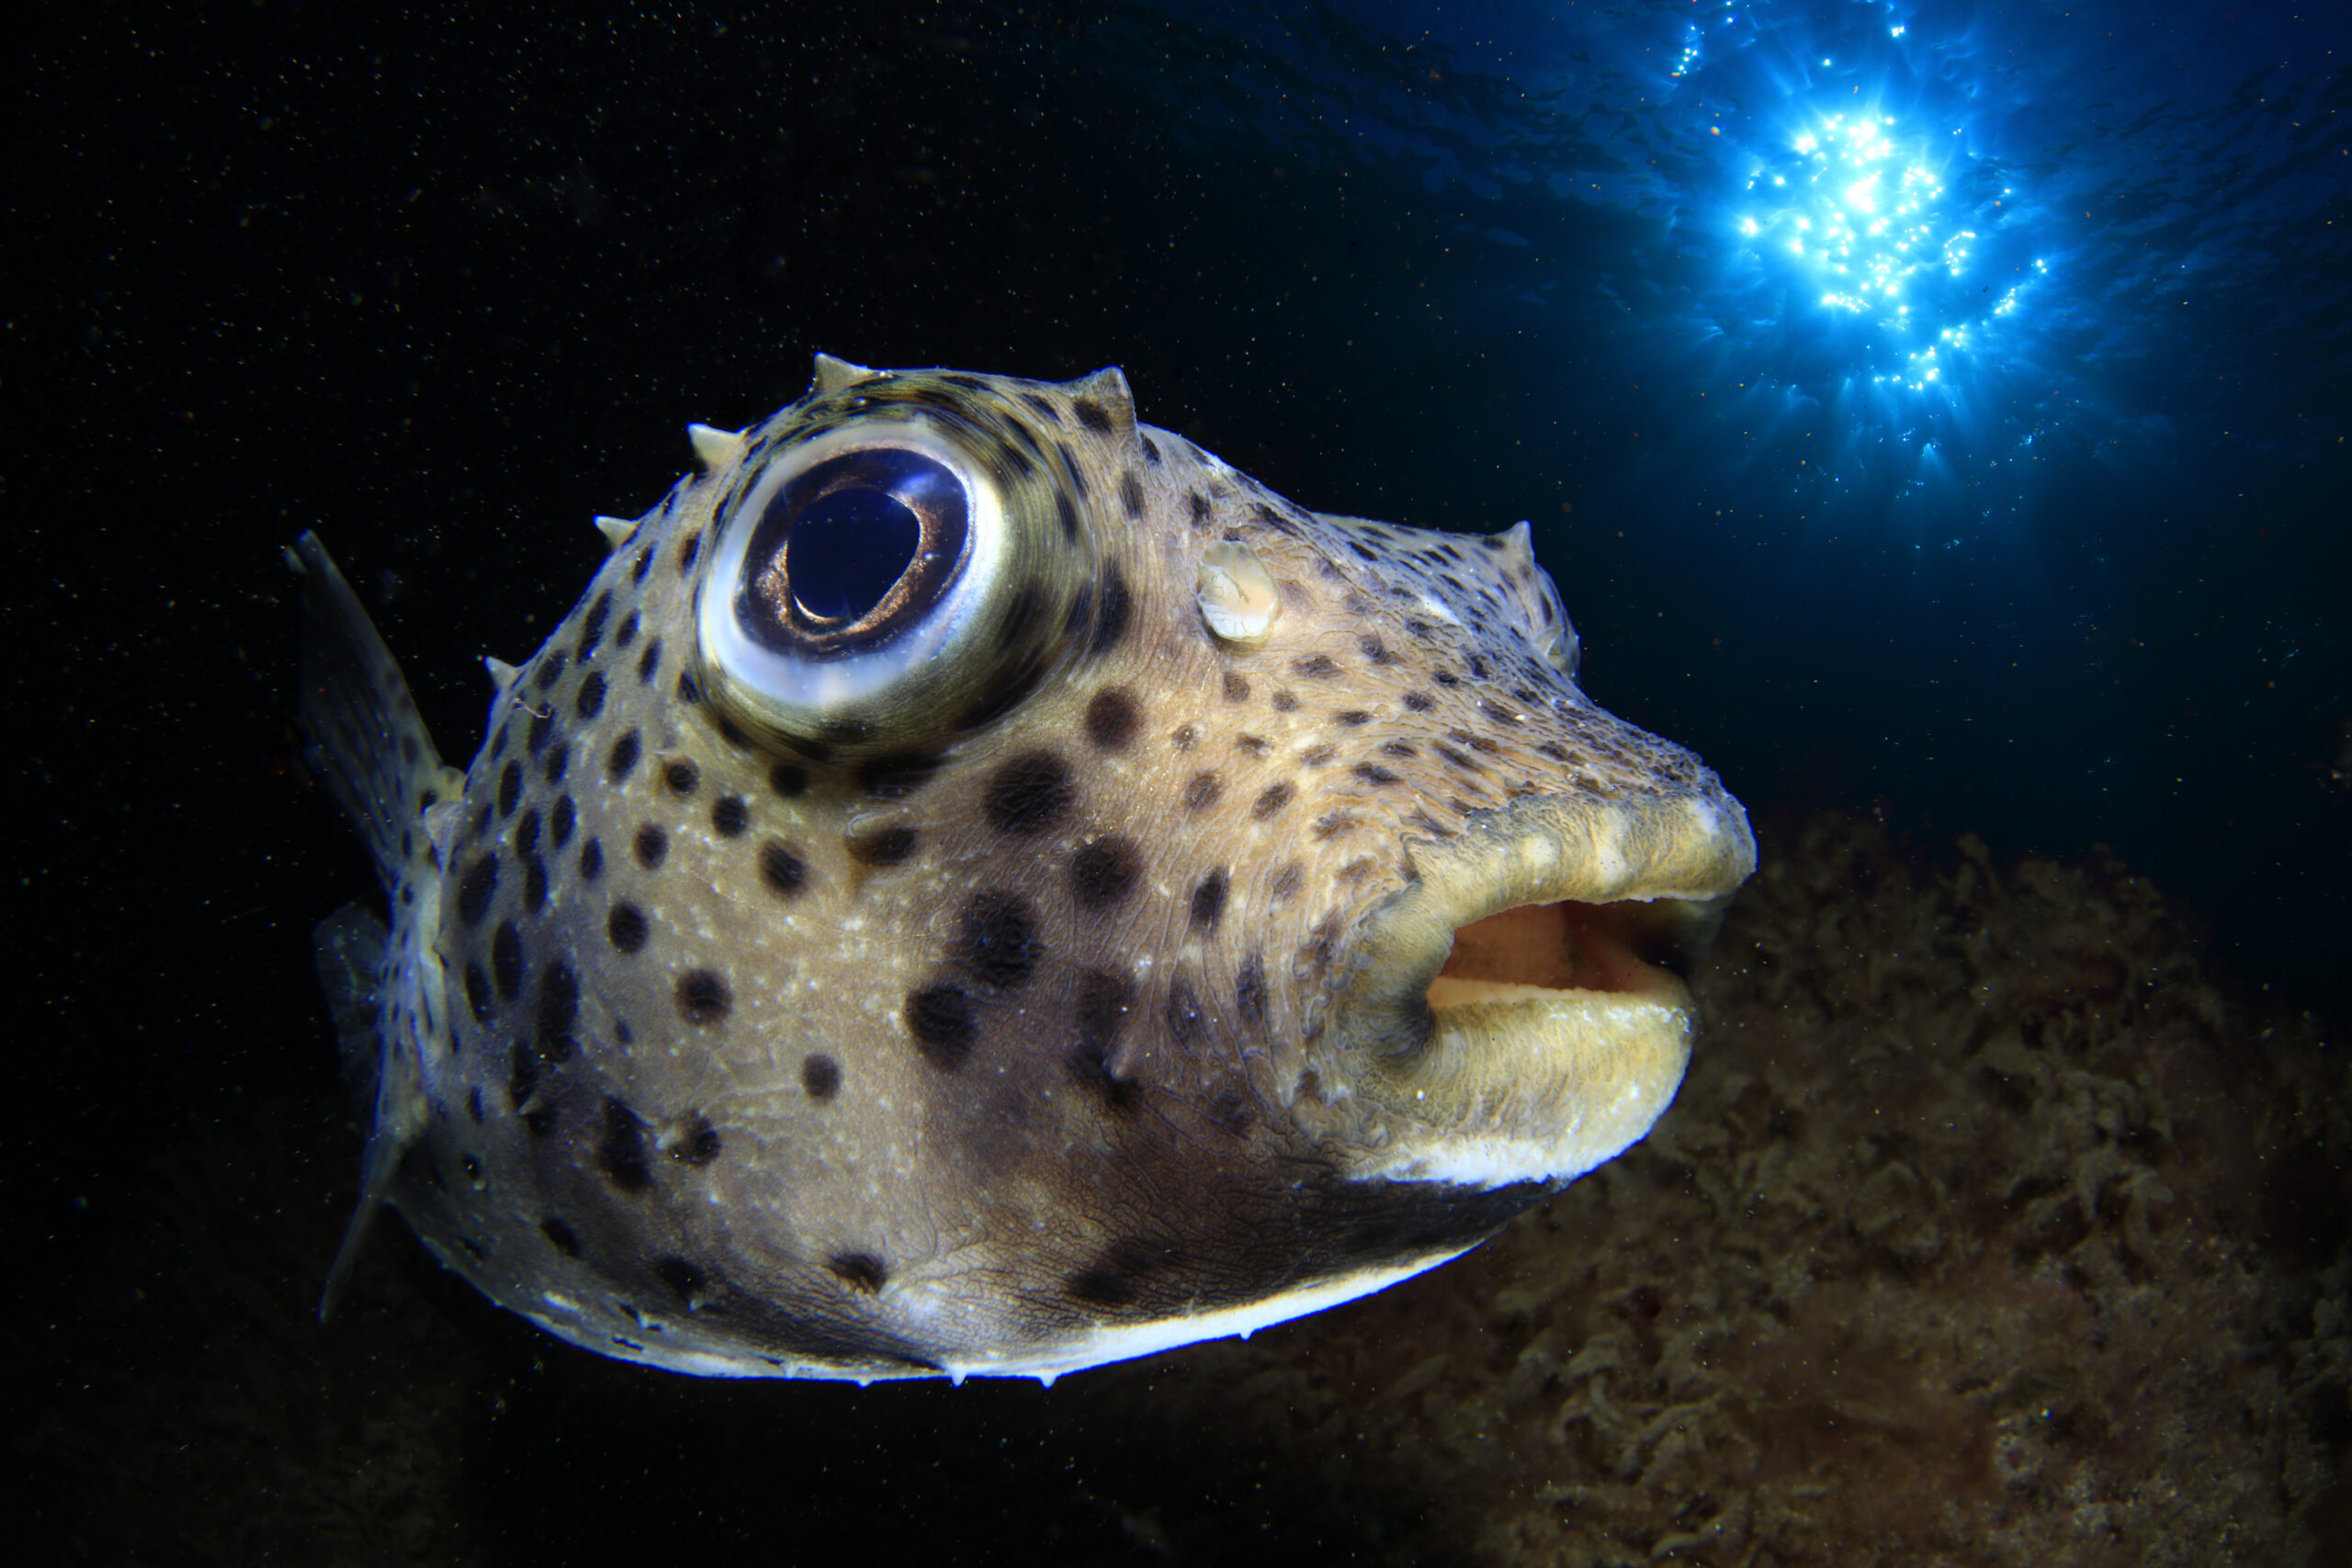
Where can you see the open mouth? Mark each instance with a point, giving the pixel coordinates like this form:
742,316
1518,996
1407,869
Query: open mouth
1518,1013
1563,946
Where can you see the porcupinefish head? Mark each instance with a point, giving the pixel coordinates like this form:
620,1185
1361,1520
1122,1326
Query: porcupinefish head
978,886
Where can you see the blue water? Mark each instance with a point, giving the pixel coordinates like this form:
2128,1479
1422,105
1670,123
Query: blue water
1934,409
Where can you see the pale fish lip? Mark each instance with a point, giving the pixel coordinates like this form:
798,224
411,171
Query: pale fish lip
1518,1016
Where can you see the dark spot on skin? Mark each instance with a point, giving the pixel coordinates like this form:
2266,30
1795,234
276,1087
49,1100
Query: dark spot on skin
1001,695
475,886
1284,703
506,961
1318,668
1110,620
1372,773
648,663
1249,987
1445,678
1184,737
561,1237
1208,900
940,1017
1185,1022
1029,794
542,726
1131,495
622,1150
697,1144
1237,688
1286,881
1352,718
1456,759
627,634
1100,1014
522,1072
821,1075
535,884
688,551
1112,719
886,846
703,997
591,699
652,847
729,816
627,928
1229,1114
477,992
682,1277
510,789
682,776
622,757
1197,505
895,778
1399,749
1092,415
858,1270
591,630
1104,871
1203,791
784,873
1150,450
1053,414
560,821
996,939
1254,744
558,1013
1272,800
527,831
639,566
1477,668
1066,515
788,779
592,861
1374,649
557,760
550,671
1418,702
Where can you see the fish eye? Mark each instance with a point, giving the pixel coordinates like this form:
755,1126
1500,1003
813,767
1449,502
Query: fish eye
847,553
871,586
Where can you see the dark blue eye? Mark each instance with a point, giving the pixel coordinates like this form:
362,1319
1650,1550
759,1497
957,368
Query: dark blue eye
853,552
847,550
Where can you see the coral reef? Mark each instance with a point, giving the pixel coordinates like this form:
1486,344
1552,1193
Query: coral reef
1984,1230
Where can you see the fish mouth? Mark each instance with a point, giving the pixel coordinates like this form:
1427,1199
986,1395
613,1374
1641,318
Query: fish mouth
1519,1011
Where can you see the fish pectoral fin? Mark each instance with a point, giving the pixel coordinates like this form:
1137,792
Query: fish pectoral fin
380,1063
363,732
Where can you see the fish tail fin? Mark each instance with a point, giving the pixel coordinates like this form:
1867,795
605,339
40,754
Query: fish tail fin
364,734
349,950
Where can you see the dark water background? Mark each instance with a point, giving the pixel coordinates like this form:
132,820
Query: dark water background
444,283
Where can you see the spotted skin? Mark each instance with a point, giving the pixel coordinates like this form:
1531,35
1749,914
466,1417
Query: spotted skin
1013,1039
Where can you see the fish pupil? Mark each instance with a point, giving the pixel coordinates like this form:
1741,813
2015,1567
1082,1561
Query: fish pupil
848,550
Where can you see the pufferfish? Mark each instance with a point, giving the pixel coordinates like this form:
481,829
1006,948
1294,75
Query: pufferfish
977,886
